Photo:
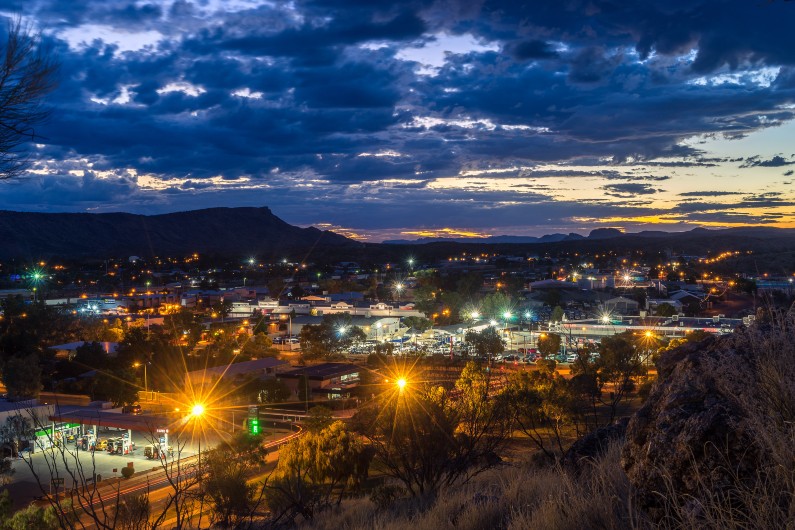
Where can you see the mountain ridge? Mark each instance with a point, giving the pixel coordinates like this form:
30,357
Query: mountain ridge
207,231
252,231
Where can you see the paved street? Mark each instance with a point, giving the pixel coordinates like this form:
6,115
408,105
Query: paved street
37,468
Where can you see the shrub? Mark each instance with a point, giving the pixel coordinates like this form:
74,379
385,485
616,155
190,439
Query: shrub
127,472
385,496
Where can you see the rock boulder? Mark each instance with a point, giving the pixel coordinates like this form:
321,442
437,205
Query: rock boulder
693,433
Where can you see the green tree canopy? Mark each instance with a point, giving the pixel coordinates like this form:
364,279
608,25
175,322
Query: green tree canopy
418,323
665,310
549,344
22,377
258,346
333,335
427,441
494,305
309,471
486,342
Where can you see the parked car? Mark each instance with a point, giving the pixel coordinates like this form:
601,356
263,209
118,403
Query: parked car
131,409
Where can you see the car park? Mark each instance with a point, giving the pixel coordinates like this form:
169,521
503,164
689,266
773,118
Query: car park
131,409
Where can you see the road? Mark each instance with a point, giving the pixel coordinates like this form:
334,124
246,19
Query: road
157,482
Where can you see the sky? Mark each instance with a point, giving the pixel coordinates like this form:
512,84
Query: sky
385,120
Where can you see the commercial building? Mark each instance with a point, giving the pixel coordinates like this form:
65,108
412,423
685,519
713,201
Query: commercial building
328,380
235,373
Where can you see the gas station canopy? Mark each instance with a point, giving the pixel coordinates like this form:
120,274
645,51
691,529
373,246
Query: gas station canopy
148,423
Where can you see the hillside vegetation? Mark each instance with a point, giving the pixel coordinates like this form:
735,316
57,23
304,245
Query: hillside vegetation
712,447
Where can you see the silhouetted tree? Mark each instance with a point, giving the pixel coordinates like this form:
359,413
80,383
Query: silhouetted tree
27,74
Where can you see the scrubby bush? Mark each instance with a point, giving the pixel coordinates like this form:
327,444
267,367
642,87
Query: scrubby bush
127,472
515,497
384,496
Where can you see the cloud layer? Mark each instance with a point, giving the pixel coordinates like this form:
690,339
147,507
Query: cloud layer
495,115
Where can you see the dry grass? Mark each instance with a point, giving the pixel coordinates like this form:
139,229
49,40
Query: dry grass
522,496
511,497
764,392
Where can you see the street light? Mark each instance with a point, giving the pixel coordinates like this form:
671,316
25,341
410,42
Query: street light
289,329
507,316
401,383
196,413
398,288
36,277
136,365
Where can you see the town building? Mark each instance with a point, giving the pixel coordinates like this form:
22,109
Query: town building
328,380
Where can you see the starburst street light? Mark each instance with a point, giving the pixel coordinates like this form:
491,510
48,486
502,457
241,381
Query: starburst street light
398,289
196,413
36,277
401,383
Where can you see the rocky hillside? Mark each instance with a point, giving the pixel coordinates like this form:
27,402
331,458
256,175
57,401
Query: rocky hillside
714,440
227,231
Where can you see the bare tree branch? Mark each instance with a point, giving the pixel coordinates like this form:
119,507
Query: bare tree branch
27,74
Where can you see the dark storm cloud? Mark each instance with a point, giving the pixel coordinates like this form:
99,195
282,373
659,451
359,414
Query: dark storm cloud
531,49
629,189
751,202
776,161
682,163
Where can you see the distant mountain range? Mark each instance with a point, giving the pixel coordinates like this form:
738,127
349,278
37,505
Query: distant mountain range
230,232
223,231
599,233
551,238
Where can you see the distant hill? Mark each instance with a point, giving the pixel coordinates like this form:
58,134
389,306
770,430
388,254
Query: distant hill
605,233
223,231
230,232
491,240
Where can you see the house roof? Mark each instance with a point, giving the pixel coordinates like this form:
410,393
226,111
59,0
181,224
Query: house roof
108,347
237,369
680,295
622,300
553,284
322,371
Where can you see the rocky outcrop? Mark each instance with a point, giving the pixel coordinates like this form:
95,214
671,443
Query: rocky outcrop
593,445
693,434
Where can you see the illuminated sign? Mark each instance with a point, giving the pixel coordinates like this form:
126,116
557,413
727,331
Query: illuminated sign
253,426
